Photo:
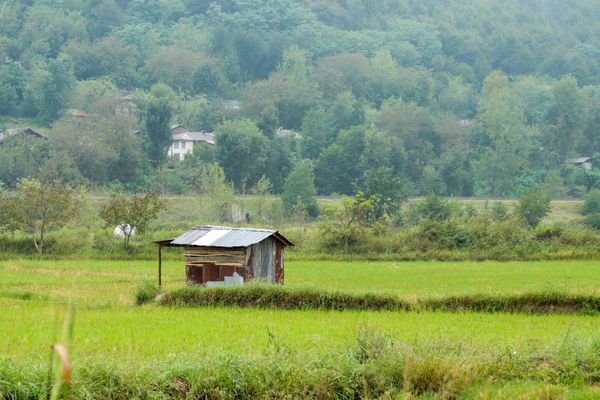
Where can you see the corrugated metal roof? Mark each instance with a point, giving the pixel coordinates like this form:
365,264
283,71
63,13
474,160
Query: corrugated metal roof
223,236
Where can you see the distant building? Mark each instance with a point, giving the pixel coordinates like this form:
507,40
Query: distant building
583,162
184,141
216,254
20,131
232,104
465,123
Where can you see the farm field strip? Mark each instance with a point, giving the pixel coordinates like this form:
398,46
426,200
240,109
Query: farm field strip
94,283
150,332
108,324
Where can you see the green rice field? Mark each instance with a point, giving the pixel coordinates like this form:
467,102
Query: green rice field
110,329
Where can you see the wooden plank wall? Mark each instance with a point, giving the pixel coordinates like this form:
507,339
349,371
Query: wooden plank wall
234,257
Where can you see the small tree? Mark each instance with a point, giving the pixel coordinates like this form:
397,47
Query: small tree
156,112
591,202
387,187
131,213
533,206
212,183
38,207
299,188
434,208
348,223
499,212
261,190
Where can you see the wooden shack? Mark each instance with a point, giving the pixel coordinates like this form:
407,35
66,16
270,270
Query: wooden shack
213,253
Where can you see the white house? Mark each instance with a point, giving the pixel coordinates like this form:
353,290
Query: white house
184,141
583,162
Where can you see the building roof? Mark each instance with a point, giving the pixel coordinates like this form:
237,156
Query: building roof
206,137
16,131
579,160
223,236
179,132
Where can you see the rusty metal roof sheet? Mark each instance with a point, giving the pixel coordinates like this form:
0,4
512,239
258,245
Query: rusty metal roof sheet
223,236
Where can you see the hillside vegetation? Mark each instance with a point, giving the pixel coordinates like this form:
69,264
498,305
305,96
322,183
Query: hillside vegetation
394,98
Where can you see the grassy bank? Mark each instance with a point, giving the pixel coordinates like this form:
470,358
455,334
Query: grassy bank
122,351
373,366
278,297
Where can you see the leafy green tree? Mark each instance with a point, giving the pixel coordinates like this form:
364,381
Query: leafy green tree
211,183
337,167
156,115
504,145
591,202
564,117
261,190
242,150
206,80
347,224
318,132
434,208
37,207
132,214
499,212
57,80
386,191
21,156
103,146
299,189
533,205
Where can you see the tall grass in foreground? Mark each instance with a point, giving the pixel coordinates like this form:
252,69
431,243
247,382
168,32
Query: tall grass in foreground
374,366
279,297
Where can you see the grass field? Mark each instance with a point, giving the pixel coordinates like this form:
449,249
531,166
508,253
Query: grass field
110,330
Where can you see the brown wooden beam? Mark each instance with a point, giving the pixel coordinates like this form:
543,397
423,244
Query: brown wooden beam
159,265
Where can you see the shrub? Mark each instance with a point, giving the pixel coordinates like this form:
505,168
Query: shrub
593,221
499,212
533,206
591,203
547,232
434,208
146,293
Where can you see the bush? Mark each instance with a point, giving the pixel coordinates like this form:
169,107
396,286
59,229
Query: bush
146,293
533,206
593,221
434,208
547,232
278,297
591,203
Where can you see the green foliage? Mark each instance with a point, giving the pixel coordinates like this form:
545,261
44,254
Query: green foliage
299,190
132,214
146,293
499,212
21,156
386,189
591,202
156,116
593,221
242,150
434,208
345,225
533,206
37,207
423,83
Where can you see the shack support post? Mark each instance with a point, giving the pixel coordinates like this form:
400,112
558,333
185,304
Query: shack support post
159,265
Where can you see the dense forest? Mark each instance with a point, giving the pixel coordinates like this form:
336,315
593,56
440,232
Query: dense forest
391,97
